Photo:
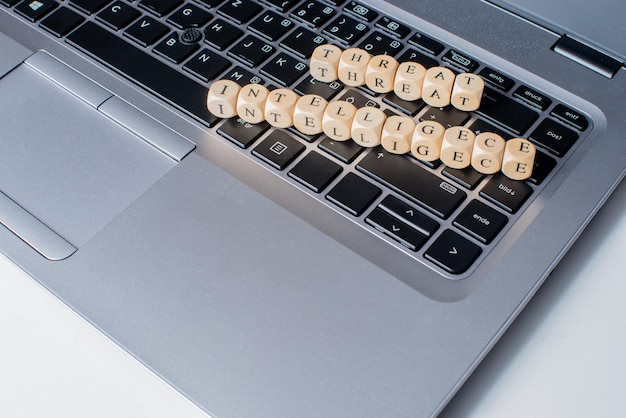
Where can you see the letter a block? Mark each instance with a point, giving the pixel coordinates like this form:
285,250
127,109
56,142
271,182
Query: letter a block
437,87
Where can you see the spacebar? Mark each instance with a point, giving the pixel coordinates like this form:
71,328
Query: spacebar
398,172
143,69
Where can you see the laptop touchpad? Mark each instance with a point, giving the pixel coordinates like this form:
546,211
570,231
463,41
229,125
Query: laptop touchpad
64,162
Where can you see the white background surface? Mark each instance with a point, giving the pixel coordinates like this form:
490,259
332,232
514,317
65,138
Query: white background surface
563,357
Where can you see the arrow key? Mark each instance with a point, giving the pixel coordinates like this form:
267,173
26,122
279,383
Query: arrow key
452,252
397,230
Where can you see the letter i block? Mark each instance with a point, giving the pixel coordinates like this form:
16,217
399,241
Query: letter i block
367,126
408,81
519,158
467,92
325,63
426,142
251,103
437,87
308,114
353,66
280,106
487,153
337,120
380,73
456,148
398,134
222,98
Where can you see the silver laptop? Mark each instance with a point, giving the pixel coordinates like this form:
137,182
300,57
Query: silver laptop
267,273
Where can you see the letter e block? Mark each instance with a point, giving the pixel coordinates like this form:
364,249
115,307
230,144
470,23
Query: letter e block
308,114
519,158
408,81
456,148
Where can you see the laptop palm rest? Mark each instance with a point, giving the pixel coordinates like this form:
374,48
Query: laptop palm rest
66,168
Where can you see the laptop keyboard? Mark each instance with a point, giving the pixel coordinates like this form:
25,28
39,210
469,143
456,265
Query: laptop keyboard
447,218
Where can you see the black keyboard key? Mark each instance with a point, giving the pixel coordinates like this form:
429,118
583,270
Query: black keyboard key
426,43
553,136
344,151
416,56
61,21
210,3
242,133
461,61
241,11
173,49
271,25
302,42
284,69
543,165
278,149
282,5
353,194
146,31
506,111
312,86
251,50
377,43
314,13
412,180
411,107
144,69
570,116
361,10
346,29
452,252
506,193
9,3
467,177
206,65
448,116
392,26
315,171
220,34
34,10
242,76
479,126
159,7
395,229
358,100
118,15
497,79
407,213
189,16
532,97
480,221
89,6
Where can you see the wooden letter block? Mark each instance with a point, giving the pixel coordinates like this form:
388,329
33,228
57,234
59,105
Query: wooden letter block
308,114
426,142
353,66
467,92
337,120
251,103
280,106
367,126
487,153
519,158
437,86
456,148
398,134
380,73
325,63
222,98
408,81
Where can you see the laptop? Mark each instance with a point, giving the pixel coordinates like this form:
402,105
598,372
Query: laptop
218,252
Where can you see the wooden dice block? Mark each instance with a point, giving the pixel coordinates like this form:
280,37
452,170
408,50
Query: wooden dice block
337,120
308,114
397,134
437,87
426,141
325,63
457,146
367,126
251,103
222,98
408,81
487,153
519,158
280,106
467,92
380,73
353,66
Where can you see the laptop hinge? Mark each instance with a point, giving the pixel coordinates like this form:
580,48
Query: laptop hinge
587,56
